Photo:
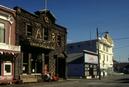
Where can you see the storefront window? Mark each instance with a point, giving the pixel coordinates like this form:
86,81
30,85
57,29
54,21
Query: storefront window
7,68
36,63
2,33
25,63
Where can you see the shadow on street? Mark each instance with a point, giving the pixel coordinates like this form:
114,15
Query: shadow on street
124,80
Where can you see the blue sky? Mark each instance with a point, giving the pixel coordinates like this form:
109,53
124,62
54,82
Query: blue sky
82,17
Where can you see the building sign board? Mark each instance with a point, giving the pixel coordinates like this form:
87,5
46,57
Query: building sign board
42,44
89,58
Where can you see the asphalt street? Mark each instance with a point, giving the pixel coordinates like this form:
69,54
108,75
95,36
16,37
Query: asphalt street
110,81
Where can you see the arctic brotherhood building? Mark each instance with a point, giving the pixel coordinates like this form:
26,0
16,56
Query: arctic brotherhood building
31,44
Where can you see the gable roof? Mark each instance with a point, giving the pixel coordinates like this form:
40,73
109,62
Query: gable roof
47,12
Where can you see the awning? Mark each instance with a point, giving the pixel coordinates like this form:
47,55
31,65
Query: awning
62,55
74,56
9,52
9,49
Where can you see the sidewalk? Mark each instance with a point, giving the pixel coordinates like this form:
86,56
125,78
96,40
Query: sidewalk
40,84
76,82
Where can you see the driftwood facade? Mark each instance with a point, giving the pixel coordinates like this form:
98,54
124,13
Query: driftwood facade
42,44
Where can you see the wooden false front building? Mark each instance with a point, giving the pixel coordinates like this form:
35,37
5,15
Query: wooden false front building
43,44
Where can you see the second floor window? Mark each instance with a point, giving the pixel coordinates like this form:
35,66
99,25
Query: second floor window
103,48
106,49
46,34
59,40
2,33
107,57
29,30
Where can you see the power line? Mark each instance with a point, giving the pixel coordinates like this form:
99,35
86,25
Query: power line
122,47
121,38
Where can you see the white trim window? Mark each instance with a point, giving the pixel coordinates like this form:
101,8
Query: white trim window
7,68
28,30
2,33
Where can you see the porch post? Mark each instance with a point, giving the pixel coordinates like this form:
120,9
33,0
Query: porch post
29,63
43,63
18,65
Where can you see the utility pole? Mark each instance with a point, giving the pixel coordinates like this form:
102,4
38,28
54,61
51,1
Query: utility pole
45,4
99,71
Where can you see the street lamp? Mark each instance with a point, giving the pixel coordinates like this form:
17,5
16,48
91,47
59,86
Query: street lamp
99,70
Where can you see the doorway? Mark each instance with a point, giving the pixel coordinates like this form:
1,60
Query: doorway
60,67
